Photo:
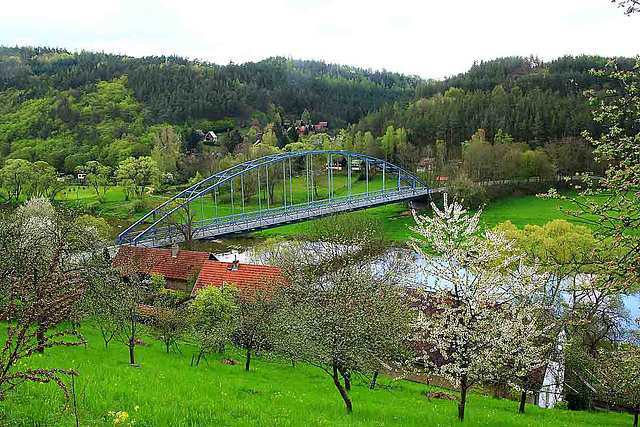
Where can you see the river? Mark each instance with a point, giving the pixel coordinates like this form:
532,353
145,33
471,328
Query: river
240,248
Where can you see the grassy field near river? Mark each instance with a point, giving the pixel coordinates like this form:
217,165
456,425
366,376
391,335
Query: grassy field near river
167,391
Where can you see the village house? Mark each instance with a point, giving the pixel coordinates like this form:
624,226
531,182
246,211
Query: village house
181,268
321,126
426,164
306,129
336,166
356,165
211,137
177,266
248,278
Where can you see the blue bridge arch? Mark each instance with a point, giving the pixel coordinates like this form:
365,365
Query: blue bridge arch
160,227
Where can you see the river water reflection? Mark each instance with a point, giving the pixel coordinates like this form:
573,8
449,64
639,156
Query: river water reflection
241,249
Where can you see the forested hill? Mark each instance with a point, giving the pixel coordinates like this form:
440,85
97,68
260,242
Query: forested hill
533,101
175,90
68,108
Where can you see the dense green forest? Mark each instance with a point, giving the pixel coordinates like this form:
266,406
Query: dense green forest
534,102
69,108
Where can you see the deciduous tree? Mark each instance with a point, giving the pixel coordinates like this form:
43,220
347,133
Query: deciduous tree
336,313
135,174
478,281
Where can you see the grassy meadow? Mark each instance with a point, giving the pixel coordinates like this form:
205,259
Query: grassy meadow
168,392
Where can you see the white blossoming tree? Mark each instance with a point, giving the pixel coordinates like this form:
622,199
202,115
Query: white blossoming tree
478,312
618,373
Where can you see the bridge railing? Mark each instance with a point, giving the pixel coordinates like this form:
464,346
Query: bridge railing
164,213
201,226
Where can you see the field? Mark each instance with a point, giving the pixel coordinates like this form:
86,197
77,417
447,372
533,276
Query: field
168,392
396,218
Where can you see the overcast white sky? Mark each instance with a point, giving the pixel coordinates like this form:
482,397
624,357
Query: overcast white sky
429,38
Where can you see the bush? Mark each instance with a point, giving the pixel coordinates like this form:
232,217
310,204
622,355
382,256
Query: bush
92,207
563,404
138,206
467,192
172,297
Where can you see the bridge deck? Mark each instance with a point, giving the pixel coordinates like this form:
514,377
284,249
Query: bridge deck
254,221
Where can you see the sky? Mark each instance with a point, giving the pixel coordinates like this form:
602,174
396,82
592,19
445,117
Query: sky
428,38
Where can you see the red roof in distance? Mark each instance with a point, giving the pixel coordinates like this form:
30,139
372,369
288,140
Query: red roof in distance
159,261
247,278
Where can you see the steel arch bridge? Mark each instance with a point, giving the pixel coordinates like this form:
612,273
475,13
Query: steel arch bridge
184,217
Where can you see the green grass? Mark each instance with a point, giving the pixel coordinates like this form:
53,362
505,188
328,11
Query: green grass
171,393
523,210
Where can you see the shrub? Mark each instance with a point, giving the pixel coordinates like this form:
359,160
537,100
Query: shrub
138,206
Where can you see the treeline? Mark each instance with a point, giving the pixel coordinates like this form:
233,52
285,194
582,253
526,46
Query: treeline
70,108
533,101
563,76
176,90
536,116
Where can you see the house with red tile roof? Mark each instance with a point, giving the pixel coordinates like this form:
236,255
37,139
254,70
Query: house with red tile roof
176,265
248,278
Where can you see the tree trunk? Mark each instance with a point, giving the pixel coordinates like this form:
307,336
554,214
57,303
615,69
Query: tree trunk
293,362
106,345
246,367
523,399
167,343
40,333
132,359
198,360
347,381
635,419
343,393
373,382
463,397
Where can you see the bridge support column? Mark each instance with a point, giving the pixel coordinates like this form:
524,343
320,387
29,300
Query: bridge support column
284,184
312,187
366,163
259,193
349,173
242,189
384,169
306,166
154,228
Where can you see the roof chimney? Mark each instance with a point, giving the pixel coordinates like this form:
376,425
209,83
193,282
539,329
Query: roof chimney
235,264
174,250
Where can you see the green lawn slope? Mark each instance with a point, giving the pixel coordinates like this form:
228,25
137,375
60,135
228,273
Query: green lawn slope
169,392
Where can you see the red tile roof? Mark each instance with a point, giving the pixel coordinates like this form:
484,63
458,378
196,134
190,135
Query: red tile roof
159,261
248,277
